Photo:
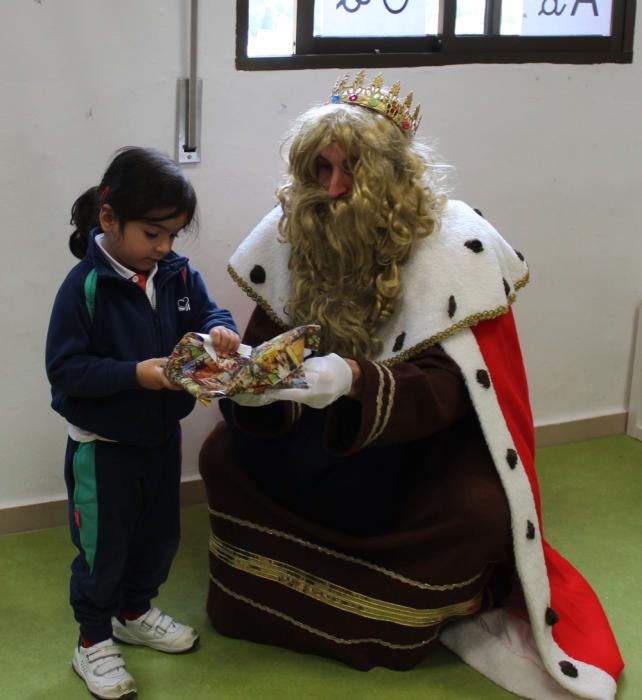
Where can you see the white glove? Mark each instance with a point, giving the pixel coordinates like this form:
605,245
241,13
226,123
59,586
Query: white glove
328,378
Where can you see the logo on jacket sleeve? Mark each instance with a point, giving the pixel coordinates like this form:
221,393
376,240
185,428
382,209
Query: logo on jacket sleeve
183,304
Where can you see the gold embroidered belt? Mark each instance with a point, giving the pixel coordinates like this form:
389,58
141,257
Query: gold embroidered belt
334,595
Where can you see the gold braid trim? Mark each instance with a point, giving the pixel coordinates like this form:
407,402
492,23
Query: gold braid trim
392,385
257,297
334,595
345,557
415,350
378,402
318,632
296,409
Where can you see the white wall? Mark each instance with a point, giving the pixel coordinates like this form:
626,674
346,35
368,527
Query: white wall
549,153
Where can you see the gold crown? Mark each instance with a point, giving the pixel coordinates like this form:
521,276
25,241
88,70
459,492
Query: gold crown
378,99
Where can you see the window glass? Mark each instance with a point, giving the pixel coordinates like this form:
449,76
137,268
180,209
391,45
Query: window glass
538,17
512,16
470,17
270,28
566,18
355,18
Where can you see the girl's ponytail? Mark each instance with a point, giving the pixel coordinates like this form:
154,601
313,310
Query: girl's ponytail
84,216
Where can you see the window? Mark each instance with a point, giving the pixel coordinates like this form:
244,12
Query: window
283,34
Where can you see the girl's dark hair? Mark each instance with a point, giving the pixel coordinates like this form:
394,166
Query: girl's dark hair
137,181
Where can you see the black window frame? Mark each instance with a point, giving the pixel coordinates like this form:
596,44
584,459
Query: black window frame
445,48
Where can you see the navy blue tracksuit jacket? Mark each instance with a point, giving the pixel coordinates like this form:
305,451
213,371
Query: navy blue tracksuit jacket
91,364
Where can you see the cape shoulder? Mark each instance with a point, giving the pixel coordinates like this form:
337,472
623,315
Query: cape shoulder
461,274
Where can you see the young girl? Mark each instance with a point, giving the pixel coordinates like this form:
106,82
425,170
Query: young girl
116,318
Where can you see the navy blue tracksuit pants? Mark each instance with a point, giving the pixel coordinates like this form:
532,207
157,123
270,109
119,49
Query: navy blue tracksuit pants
124,516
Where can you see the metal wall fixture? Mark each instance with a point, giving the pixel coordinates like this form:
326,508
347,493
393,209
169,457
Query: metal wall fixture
189,101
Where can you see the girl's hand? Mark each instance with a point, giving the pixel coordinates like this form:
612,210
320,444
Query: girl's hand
224,340
150,375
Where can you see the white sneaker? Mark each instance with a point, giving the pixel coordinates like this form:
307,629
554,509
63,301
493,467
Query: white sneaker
102,667
157,630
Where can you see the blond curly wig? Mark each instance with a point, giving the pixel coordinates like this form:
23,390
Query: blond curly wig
347,253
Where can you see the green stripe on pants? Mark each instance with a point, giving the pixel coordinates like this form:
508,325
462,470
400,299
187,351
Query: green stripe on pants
86,499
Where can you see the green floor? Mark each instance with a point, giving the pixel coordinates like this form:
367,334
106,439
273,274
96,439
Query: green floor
593,514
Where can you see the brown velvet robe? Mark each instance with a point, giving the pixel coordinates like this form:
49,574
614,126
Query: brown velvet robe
442,549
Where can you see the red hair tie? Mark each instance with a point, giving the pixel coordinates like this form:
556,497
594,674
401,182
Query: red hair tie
104,194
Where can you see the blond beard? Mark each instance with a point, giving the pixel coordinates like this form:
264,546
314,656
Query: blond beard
334,267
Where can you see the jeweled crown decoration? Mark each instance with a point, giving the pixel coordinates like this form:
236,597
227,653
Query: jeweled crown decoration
378,99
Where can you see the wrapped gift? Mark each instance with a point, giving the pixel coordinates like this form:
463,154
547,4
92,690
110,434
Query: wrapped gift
277,363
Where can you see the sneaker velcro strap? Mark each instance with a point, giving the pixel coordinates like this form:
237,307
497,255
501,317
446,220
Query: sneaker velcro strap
165,624
156,619
150,619
112,664
113,659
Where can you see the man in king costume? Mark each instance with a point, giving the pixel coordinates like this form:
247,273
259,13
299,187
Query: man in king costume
394,502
